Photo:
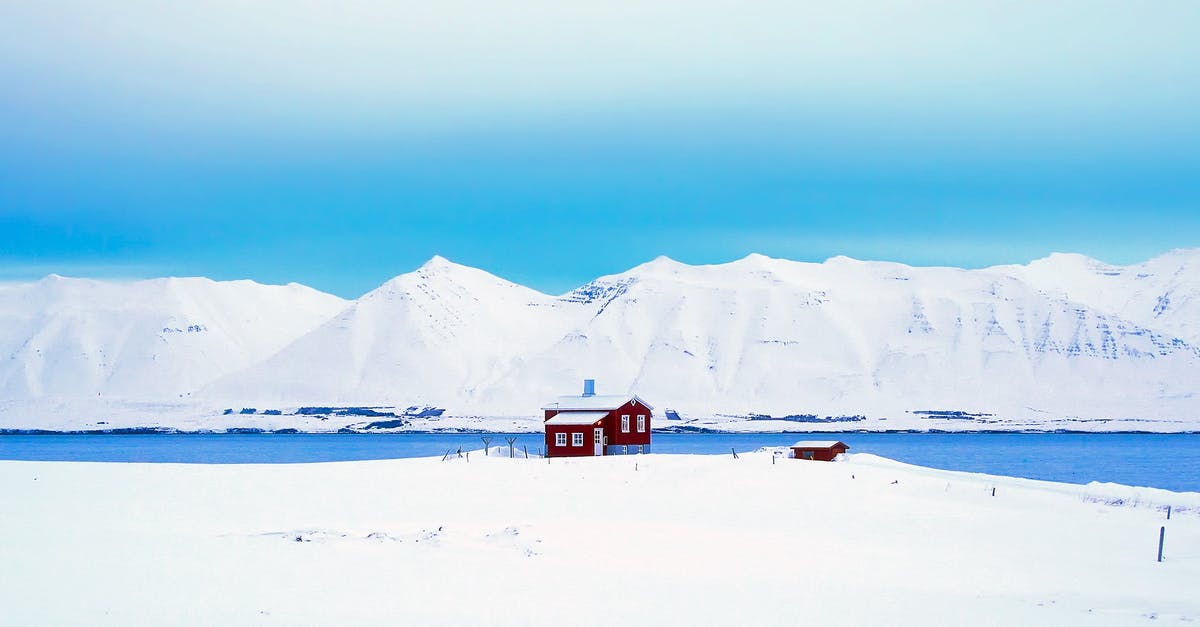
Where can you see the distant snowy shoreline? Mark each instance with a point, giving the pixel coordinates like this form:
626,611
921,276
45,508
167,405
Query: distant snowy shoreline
115,418
680,431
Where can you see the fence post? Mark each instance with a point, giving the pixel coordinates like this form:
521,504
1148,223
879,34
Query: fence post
1162,532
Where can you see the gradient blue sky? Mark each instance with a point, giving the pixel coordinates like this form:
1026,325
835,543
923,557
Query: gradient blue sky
339,144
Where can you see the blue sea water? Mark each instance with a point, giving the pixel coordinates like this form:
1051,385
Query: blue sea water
1170,461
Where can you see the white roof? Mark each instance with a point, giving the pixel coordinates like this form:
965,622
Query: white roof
577,418
816,444
606,402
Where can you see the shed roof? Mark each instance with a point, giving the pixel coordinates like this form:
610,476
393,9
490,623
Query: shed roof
606,402
577,418
818,444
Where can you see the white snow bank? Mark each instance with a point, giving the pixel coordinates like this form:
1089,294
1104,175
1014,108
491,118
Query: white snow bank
651,539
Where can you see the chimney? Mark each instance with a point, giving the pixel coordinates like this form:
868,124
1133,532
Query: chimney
589,387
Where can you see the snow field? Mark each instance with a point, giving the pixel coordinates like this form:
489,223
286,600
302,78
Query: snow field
656,539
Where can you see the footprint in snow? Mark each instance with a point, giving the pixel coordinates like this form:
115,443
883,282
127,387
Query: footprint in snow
510,537
326,535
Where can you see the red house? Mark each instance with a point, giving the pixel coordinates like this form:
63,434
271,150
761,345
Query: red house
590,425
819,450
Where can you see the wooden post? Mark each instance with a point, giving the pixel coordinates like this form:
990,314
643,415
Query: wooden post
1162,533
993,490
526,449
1168,512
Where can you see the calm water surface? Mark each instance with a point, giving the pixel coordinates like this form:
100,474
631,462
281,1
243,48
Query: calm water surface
1162,461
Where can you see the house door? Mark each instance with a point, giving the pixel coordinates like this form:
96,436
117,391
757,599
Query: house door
598,441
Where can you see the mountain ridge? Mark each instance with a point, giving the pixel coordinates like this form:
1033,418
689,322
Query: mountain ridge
1062,336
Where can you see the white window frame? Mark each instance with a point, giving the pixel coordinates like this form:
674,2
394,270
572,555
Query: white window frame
560,439
577,438
624,423
641,423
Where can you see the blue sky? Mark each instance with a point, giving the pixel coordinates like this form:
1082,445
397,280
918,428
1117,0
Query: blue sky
340,144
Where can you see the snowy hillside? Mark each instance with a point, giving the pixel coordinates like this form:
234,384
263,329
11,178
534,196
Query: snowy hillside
758,335
148,340
850,337
1065,342
442,333
1163,293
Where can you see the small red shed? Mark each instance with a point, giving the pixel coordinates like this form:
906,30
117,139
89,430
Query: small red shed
818,450
592,425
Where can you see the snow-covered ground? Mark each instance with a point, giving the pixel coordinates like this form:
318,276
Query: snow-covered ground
656,539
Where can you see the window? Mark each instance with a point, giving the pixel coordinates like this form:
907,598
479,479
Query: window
560,439
576,439
640,449
624,450
641,423
598,436
625,423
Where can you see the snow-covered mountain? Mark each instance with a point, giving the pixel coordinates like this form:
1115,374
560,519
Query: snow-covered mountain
442,335
1064,337
755,335
159,339
1163,293
845,336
